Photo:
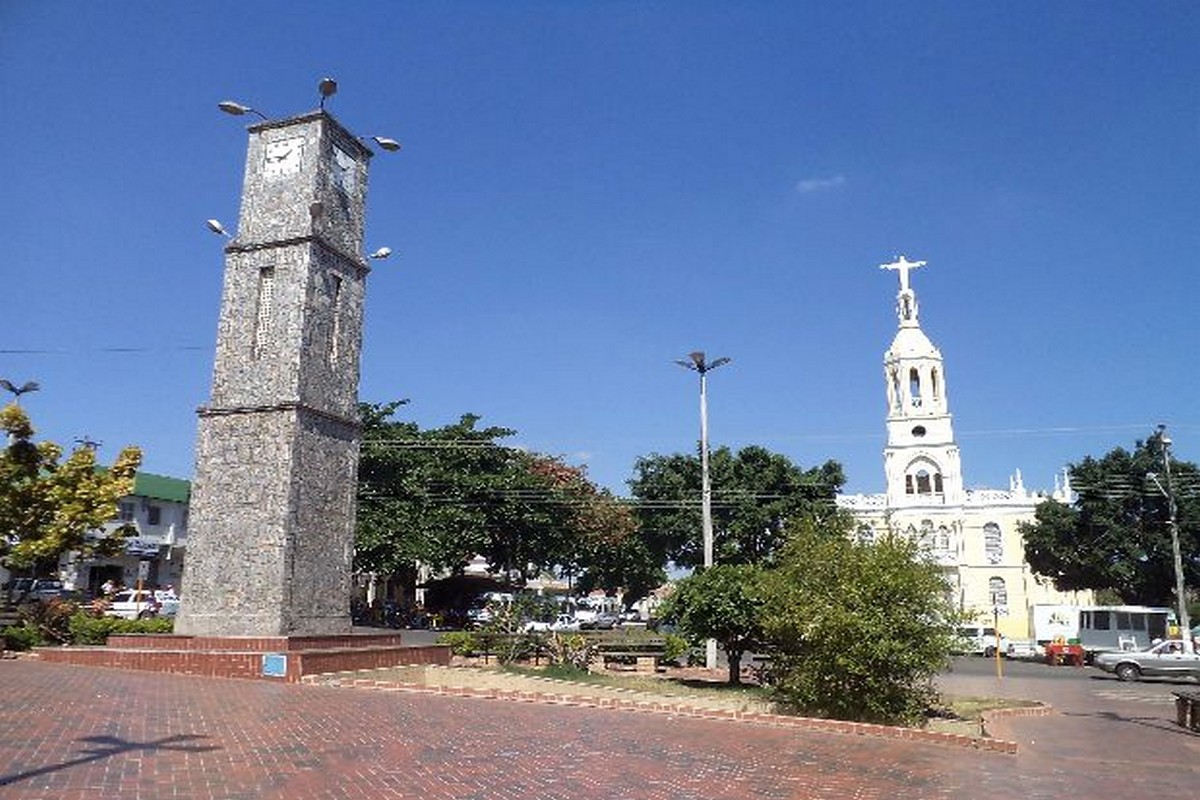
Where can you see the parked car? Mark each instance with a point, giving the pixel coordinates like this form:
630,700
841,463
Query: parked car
24,590
1167,659
605,621
1025,651
561,623
134,604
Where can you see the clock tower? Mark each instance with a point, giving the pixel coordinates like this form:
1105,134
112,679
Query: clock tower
273,501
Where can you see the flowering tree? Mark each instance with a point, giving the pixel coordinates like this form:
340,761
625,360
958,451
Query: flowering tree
48,504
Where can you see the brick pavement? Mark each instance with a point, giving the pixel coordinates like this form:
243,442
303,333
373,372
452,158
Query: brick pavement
73,732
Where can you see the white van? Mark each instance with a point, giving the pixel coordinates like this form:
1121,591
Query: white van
980,640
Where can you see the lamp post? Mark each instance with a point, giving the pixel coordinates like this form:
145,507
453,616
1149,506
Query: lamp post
697,364
1185,624
17,391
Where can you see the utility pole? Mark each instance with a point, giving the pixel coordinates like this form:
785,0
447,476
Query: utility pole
699,365
1185,624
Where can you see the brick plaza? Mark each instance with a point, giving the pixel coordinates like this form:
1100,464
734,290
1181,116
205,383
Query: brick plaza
76,732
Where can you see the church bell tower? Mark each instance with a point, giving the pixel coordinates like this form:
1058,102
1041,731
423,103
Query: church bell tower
921,459
271,522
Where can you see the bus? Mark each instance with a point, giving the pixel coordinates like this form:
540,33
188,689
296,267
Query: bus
1102,628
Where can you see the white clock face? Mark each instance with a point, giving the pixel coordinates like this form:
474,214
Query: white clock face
345,170
283,157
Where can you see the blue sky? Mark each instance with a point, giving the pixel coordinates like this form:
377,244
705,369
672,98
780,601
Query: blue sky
589,191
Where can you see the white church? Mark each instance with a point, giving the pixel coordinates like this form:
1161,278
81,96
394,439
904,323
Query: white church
971,533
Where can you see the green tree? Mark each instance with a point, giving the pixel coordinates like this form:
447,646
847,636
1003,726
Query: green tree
722,602
1116,535
47,504
856,631
756,494
446,494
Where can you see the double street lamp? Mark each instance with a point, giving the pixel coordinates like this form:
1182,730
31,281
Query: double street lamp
697,363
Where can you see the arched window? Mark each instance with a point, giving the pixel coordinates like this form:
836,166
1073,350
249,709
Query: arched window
908,484
866,534
914,386
895,383
993,543
942,542
923,484
927,533
937,483
997,592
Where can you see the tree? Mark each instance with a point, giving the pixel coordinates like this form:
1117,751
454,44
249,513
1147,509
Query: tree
724,603
1116,534
445,495
756,494
856,630
48,505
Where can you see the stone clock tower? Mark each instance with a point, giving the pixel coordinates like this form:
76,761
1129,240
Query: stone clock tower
272,512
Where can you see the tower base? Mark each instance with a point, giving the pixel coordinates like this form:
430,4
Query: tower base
280,658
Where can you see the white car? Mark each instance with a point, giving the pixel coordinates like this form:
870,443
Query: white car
134,604
1167,659
563,622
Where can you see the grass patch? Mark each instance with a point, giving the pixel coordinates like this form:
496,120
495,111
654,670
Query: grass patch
671,687
972,708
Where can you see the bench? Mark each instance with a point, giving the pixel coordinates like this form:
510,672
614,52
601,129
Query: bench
1187,710
642,651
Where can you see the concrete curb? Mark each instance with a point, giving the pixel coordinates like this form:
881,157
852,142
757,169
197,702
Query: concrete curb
685,710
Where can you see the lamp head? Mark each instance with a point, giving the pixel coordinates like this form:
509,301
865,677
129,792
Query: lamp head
328,88
216,227
382,252
237,109
391,145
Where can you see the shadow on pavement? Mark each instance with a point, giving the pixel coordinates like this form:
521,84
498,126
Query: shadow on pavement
107,746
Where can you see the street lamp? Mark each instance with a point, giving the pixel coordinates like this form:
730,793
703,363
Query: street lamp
697,364
17,391
1185,624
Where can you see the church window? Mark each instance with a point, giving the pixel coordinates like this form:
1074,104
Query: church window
895,389
937,483
997,591
335,302
914,386
927,533
264,311
942,542
866,534
923,484
934,389
908,484
993,543
918,431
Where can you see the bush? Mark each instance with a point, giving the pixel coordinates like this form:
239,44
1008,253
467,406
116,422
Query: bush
857,631
90,628
21,637
676,647
50,618
462,643
571,650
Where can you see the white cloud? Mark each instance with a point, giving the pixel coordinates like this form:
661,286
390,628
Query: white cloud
810,185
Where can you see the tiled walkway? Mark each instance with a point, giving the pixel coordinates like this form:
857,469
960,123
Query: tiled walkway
70,732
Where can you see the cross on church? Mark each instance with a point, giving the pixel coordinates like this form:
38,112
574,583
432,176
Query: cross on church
903,265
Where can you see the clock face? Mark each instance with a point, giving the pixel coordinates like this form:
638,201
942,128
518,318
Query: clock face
345,170
283,157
